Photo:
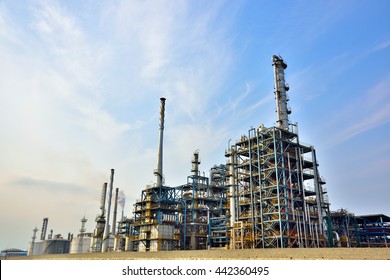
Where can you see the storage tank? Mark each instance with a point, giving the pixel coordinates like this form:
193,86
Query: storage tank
81,244
57,245
37,249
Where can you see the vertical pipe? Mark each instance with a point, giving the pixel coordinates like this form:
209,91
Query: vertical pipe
159,170
318,188
115,212
260,167
383,230
252,208
302,188
232,194
107,227
278,185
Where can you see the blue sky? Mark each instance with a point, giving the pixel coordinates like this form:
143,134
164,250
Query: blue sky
81,81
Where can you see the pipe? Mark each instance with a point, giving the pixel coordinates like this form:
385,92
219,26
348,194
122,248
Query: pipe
232,194
159,170
107,227
318,188
337,238
115,212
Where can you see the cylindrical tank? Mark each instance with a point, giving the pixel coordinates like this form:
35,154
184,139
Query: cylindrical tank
56,246
80,245
37,249
128,244
119,243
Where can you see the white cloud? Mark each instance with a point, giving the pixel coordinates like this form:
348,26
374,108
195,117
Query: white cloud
382,45
365,114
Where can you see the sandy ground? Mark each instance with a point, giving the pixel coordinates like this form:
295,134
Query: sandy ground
257,254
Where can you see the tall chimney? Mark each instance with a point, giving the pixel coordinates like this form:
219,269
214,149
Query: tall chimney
103,200
280,88
115,212
44,228
107,227
159,171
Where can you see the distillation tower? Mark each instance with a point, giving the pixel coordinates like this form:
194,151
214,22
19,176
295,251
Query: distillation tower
277,198
97,240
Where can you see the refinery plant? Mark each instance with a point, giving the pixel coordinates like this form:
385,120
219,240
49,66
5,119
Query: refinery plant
268,194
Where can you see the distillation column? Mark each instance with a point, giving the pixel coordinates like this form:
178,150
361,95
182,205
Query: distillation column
280,88
96,241
31,252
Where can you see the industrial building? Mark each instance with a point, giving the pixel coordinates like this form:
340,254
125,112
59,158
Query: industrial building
268,194
360,231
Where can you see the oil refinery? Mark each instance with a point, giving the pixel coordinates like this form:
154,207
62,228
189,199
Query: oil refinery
268,194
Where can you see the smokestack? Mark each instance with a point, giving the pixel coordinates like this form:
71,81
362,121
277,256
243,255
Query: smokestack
115,212
107,227
103,200
280,88
159,171
44,228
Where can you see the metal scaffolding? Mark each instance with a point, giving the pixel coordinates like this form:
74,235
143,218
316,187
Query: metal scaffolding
201,201
155,216
373,230
219,222
279,200
345,229
360,231
268,195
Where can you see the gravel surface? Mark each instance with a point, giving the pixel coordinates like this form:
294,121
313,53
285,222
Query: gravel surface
256,254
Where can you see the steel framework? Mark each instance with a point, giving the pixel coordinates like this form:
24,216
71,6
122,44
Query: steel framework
374,230
278,196
155,216
201,202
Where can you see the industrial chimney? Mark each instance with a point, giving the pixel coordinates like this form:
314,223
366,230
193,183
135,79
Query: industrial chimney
280,88
159,171
103,200
115,212
107,227
44,228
